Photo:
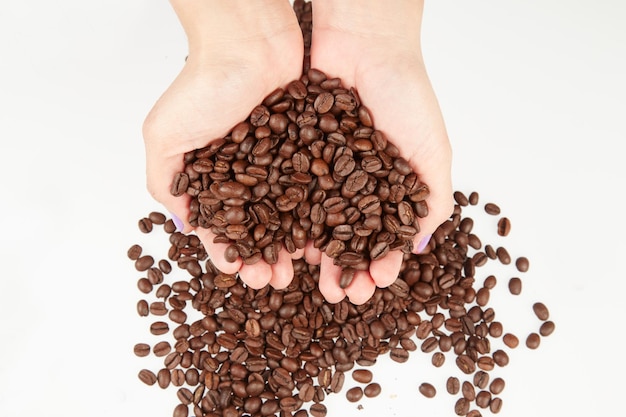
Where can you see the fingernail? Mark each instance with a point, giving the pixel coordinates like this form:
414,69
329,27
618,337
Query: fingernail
177,222
423,243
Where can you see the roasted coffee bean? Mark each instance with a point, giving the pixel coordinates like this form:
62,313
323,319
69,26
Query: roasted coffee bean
162,348
461,407
510,340
541,311
318,410
468,391
453,385
134,252
354,394
503,255
504,226
547,328
483,398
497,386
142,349
515,286
427,390
522,264
438,359
143,263
147,377
495,405
533,340
143,308
363,376
493,209
159,327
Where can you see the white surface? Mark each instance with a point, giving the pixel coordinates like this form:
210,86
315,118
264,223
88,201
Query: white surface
533,95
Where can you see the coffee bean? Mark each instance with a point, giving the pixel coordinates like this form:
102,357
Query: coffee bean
427,390
547,328
493,209
142,349
468,391
181,410
515,286
533,340
461,407
460,198
497,386
134,252
372,390
143,263
483,398
495,405
453,385
510,340
541,311
143,308
503,255
363,376
318,410
162,348
354,394
504,226
147,377
438,359
522,264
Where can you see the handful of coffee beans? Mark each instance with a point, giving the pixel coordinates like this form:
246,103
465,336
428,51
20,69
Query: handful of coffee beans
306,164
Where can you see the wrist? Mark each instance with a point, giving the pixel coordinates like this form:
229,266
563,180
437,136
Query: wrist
398,22
226,26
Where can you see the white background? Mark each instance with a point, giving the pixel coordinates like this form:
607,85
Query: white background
533,93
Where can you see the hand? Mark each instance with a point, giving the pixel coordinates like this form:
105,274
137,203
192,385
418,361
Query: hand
375,47
239,52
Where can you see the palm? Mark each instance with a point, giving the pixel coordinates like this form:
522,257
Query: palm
393,84
202,104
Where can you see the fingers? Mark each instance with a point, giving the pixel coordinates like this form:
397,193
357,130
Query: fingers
312,254
385,271
256,276
361,289
282,271
329,280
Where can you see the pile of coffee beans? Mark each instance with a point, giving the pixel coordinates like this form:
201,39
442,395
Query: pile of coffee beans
308,164
234,351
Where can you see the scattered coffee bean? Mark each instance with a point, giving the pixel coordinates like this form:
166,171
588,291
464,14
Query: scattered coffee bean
372,390
522,264
142,349
515,286
541,311
504,226
510,340
354,394
427,390
453,385
533,340
547,328
493,209
363,376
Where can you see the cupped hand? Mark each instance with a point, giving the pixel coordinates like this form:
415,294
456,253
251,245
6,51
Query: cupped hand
236,58
385,65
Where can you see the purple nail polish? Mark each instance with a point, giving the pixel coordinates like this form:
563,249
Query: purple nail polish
423,243
177,222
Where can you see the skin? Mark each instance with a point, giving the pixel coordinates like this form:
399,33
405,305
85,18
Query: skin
240,51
